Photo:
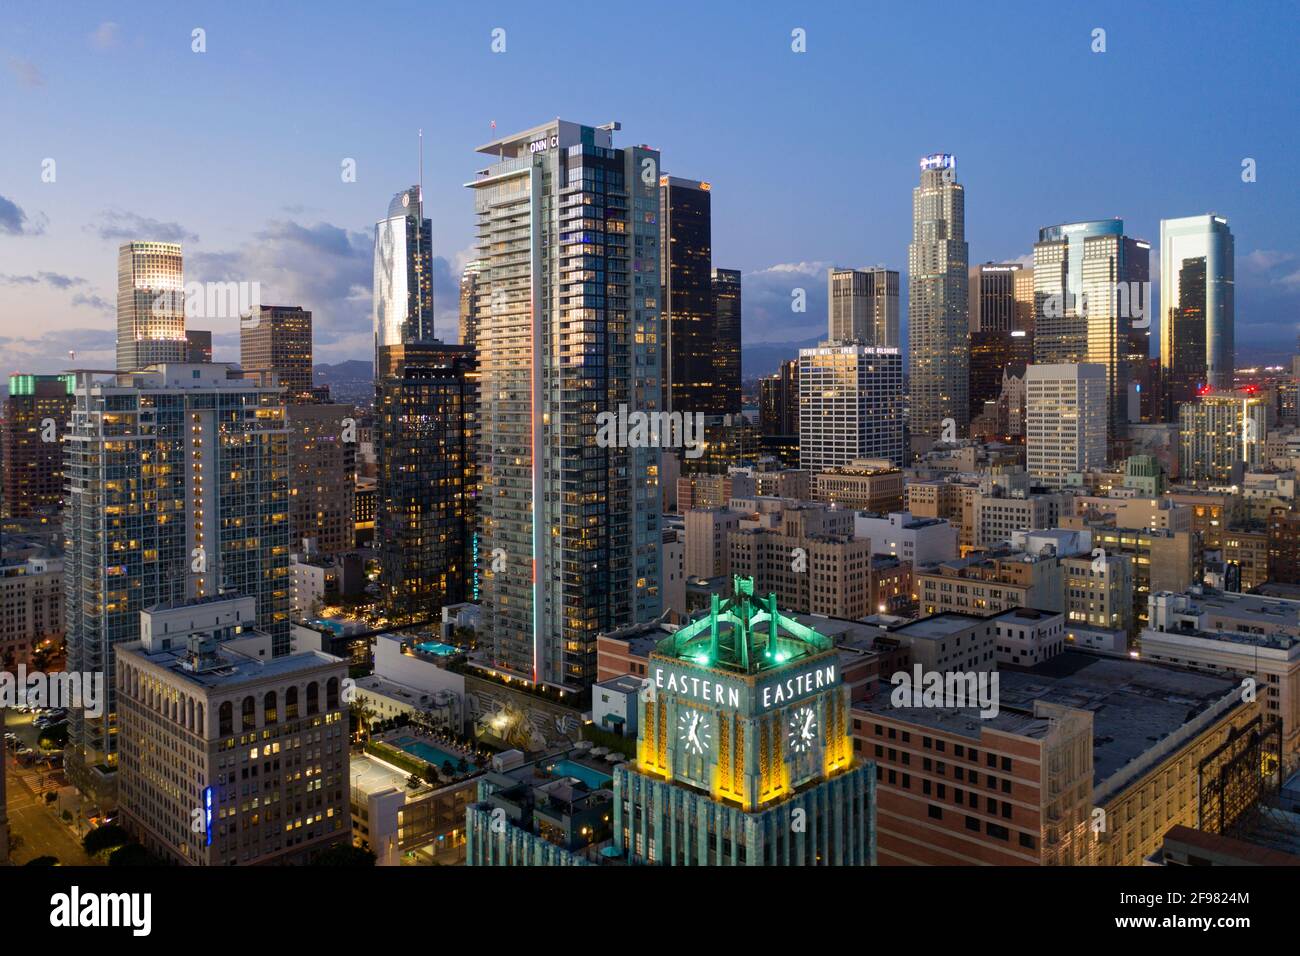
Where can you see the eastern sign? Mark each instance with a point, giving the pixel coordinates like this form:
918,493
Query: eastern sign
777,690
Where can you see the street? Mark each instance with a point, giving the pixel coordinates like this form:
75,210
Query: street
35,828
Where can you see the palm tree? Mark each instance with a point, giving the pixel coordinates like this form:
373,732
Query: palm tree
362,713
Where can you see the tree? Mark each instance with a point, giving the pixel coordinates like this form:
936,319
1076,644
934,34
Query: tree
133,854
430,773
362,714
344,855
110,836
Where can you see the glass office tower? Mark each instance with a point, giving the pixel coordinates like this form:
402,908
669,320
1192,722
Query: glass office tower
1197,347
568,328
402,309
150,305
727,299
685,276
1090,286
938,328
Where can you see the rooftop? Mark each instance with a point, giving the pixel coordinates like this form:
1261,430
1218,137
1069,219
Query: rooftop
1135,705
231,668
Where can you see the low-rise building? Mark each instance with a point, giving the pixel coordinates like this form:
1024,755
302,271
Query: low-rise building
1239,635
861,485
1027,637
911,538
987,582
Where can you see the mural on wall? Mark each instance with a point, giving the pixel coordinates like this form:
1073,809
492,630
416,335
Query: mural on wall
521,722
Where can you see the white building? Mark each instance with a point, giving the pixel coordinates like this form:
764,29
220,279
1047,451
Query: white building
1065,420
850,405
1026,636
909,538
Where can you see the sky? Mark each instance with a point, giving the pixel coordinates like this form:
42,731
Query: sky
237,151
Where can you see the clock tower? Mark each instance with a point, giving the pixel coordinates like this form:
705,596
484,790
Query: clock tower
745,753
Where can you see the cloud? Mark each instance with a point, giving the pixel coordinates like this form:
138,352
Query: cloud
768,297
105,36
15,222
325,268
26,72
1265,260
92,301
54,279
123,226
49,352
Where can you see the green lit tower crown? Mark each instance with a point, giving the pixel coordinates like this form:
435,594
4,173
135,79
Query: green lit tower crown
745,753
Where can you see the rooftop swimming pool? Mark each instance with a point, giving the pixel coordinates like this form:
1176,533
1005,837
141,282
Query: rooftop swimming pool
594,779
436,647
428,752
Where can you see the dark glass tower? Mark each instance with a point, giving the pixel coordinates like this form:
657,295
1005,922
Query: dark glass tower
1197,308
685,260
726,344
425,446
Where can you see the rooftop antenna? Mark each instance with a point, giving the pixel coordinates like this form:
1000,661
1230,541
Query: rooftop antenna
421,134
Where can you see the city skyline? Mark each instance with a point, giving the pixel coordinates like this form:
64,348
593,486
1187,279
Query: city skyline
296,227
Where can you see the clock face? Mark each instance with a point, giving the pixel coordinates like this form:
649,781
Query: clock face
693,731
803,729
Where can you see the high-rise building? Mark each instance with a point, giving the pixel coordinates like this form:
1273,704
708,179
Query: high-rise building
178,488
1090,286
778,401
402,308
277,338
850,405
743,726
1065,420
1222,436
569,245
937,288
198,346
863,306
35,420
425,442
322,477
1001,327
469,303
150,305
31,602
727,302
196,680
1196,308
690,325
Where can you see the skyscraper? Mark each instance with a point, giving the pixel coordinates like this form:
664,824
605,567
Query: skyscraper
277,338
425,446
727,301
1065,420
179,488
739,734
1196,308
403,280
685,275
568,238
850,405
1090,286
1222,435
1001,327
863,306
150,305
322,476
469,304
778,404
198,345
938,327
32,429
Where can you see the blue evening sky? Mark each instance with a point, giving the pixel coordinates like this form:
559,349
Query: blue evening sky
813,156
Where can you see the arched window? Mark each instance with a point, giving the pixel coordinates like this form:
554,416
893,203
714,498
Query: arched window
313,699
270,712
226,719
291,704
332,694
250,713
